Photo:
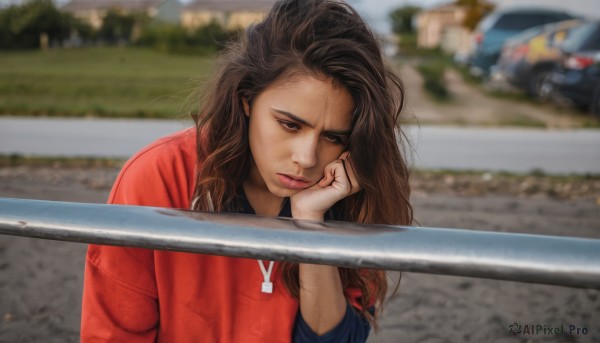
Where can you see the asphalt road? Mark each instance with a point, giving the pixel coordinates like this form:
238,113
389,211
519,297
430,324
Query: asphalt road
431,147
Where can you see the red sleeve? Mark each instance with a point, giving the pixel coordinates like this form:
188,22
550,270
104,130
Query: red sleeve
353,294
120,300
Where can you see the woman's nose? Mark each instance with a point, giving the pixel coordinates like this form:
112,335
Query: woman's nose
305,152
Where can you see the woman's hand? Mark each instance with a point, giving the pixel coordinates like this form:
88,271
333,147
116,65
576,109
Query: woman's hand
322,300
338,182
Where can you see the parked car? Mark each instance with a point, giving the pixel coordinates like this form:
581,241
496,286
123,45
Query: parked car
529,58
498,26
577,78
595,105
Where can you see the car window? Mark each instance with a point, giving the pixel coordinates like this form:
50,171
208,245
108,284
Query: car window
526,35
593,41
519,21
566,16
584,37
555,18
559,36
487,22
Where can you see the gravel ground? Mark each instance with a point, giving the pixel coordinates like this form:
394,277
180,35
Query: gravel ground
41,280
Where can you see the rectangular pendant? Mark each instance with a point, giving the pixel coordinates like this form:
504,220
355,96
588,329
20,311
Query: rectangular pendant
267,287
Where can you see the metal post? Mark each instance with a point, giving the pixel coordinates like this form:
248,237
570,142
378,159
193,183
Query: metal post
566,261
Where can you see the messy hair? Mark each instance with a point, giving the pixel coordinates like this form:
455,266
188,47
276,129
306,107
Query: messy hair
322,38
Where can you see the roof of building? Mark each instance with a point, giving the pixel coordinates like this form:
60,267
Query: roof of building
230,5
132,5
445,7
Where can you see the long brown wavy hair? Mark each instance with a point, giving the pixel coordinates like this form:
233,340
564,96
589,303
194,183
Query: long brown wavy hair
323,38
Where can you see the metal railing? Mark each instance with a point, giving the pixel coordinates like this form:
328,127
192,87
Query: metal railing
565,261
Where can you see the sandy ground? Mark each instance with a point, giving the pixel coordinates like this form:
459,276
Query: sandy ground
41,280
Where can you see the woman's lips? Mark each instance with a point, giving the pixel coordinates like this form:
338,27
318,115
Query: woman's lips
291,182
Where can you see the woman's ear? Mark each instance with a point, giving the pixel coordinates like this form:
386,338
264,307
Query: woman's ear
246,106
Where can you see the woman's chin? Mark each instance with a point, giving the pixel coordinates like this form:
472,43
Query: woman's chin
284,192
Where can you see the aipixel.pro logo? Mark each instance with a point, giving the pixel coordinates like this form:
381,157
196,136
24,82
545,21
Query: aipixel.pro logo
542,329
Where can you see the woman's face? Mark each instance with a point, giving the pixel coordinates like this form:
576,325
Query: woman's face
297,128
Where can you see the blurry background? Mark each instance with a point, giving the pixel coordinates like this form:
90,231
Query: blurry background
502,115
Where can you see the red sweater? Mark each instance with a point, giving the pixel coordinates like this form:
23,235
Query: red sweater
140,295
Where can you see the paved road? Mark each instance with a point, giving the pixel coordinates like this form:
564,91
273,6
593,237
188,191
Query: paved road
513,150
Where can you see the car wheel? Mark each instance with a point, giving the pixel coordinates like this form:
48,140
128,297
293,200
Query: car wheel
539,84
595,106
546,88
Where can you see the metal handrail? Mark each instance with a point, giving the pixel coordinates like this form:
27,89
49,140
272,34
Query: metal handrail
565,261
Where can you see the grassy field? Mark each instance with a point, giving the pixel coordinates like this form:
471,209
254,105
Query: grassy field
105,82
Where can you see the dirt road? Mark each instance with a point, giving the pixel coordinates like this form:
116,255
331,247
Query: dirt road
470,105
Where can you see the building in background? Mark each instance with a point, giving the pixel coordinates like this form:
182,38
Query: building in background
442,26
93,11
231,14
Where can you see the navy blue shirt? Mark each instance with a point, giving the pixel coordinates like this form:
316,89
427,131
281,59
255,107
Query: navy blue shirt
354,327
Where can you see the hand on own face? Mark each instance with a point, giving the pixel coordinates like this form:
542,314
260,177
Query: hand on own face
338,182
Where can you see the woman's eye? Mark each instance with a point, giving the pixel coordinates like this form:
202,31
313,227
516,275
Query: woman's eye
334,139
289,125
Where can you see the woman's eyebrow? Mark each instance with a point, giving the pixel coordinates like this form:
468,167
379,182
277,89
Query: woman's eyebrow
304,122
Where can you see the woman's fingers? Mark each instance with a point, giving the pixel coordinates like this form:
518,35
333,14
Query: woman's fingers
351,175
328,175
340,174
339,181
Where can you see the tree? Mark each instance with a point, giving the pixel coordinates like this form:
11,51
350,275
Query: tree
84,30
212,36
204,40
476,10
116,26
21,26
402,19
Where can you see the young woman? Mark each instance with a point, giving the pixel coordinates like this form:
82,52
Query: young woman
301,120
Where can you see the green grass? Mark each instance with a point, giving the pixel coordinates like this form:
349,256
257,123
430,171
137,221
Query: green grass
431,64
466,74
104,82
16,160
433,80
